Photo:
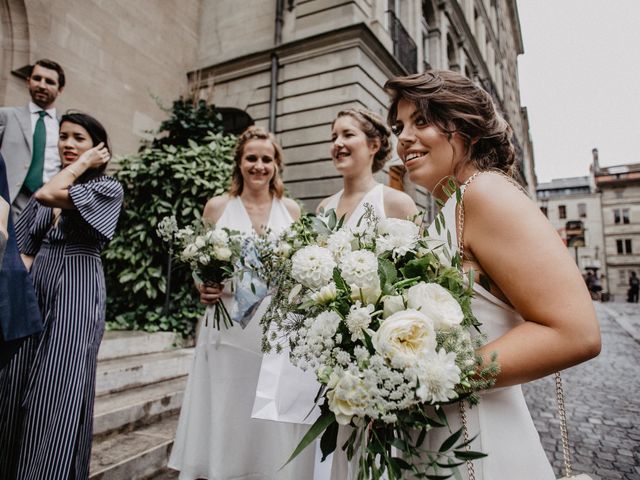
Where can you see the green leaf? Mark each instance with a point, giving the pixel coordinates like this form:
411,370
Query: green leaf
319,426
450,441
468,455
329,440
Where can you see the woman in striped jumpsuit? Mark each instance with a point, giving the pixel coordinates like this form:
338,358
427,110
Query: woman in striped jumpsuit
65,226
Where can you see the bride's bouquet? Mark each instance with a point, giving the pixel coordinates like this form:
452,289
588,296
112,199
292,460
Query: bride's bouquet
211,252
381,313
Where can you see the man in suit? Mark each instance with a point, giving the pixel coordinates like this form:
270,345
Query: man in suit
29,134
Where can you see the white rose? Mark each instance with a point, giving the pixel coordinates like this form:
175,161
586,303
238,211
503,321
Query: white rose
405,337
347,396
222,253
325,295
392,304
204,259
360,268
312,266
436,303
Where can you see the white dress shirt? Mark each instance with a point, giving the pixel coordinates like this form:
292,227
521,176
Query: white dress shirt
51,156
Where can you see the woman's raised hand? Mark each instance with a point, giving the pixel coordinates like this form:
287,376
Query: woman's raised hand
96,156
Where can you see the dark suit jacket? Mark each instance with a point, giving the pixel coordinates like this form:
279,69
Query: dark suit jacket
19,312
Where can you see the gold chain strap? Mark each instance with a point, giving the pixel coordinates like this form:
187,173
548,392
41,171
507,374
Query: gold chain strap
465,434
563,426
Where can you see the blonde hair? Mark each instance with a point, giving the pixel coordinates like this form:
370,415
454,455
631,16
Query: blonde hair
276,186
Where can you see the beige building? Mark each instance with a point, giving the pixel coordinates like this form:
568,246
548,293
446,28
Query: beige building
619,187
567,201
291,65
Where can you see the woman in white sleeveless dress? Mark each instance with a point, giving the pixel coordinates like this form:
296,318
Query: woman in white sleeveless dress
530,297
216,438
360,148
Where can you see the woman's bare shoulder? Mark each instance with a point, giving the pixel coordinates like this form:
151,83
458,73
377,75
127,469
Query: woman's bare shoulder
214,207
398,204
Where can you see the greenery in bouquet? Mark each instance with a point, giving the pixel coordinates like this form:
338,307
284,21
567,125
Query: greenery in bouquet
211,252
382,314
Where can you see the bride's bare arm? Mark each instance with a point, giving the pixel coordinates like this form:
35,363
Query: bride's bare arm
523,255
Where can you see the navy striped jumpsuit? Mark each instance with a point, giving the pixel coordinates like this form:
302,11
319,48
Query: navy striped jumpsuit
47,391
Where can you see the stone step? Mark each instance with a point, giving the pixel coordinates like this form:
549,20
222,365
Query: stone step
166,474
128,372
117,344
134,455
131,408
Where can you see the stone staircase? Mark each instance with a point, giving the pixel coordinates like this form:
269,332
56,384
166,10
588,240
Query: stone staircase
140,383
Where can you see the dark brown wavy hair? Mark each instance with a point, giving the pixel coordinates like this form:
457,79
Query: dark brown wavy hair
373,126
454,104
276,186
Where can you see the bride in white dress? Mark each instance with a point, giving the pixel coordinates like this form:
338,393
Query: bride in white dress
530,296
360,148
216,438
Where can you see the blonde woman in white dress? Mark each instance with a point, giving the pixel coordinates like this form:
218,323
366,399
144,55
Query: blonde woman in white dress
530,297
216,438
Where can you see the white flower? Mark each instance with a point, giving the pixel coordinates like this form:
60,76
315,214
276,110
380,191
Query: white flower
392,304
340,243
313,266
200,242
438,377
368,294
347,396
325,325
405,337
185,232
283,249
358,320
294,292
222,253
360,268
190,251
436,303
204,259
325,295
217,236
396,235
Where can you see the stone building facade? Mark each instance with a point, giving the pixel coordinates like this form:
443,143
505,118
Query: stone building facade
619,187
570,200
290,64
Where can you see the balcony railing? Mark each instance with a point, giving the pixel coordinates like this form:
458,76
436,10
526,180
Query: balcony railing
404,48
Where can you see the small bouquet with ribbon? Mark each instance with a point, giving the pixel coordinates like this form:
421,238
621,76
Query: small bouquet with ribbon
211,252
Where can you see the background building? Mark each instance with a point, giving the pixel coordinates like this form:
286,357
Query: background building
619,187
569,201
291,67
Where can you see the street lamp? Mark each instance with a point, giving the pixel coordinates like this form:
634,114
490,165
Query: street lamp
575,236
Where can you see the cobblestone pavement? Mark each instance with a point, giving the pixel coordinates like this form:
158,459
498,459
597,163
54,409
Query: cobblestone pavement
602,400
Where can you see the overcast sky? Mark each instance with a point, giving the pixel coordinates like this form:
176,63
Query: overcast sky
580,81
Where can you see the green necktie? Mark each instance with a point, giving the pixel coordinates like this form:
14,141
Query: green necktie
34,176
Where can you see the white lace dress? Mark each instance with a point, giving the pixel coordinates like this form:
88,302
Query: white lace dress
216,438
